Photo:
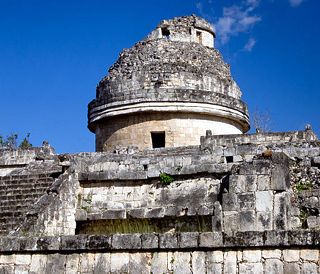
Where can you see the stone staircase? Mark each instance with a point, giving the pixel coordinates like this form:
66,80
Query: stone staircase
17,194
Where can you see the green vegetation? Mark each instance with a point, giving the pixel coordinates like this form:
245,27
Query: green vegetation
165,178
303,216
25,144
300,186
87,201
152,225
11,142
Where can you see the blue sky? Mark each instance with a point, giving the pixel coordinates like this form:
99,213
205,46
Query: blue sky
53,54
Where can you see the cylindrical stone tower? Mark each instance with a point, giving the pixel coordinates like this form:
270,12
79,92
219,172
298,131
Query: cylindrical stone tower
167,90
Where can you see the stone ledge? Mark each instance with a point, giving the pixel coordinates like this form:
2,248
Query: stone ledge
87,178
168,241
260,138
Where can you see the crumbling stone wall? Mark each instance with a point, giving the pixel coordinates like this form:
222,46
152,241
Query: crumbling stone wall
241,200
239,186
186,29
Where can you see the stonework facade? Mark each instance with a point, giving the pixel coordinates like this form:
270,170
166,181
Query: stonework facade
236,203
232,204
180,129
242,261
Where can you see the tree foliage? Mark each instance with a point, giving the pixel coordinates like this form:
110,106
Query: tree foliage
25,144
11,142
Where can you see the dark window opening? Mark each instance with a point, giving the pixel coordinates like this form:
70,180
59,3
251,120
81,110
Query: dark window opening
199,36
165,32
158,84
229,159
158,139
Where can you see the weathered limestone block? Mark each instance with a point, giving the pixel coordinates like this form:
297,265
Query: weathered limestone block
215,256
157,212
309,268
7,259
217,218
22,259
313,222
149,241
210,239
247,220
126,241
188,239
181,263
276,238
291,255
231,221
263,182
281,210
214,268
291,268
119,263
246,201
264,221
139,263
230,202
98,241
280,179
55,263
168,240
309,255
264,201
7,269
159,263
198,262
230,262
21,269
86,263
72,263
242,183
271,254
258,167
274,266
250,268
252,256
38,264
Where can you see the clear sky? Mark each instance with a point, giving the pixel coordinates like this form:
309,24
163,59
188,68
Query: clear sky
53,54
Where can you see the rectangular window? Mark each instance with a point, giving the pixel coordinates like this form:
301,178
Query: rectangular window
199,36
165,33
158,139
229,159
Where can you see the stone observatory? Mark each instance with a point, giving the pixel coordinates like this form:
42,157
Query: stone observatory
234,204
167,90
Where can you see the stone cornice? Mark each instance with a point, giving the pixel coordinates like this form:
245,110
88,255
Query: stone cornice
215,110
161,242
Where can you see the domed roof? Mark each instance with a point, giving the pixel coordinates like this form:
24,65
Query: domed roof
170,66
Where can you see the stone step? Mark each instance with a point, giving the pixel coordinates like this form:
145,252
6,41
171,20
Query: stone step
22,202
26,179
28,182
21,196
14,208
14,192
5,221
9,225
